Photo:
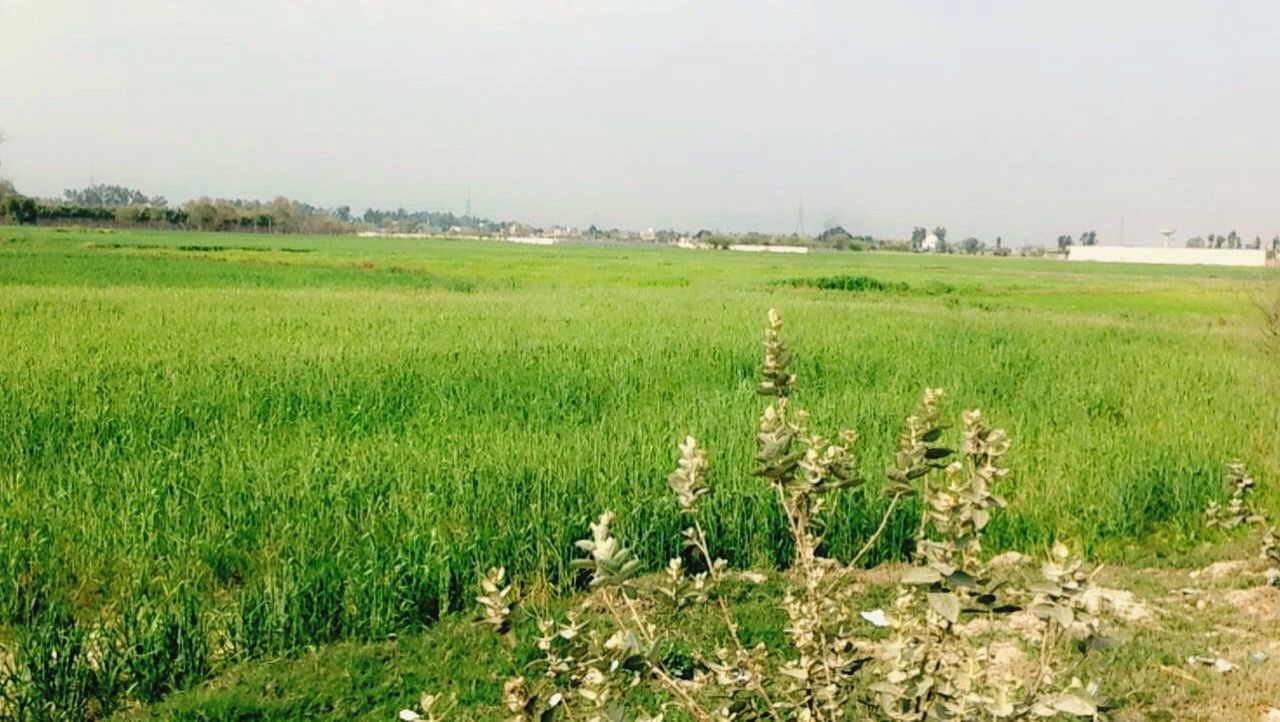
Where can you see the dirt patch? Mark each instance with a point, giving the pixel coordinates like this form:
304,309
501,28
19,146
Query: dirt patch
1024,624
1009,560
1218,571
883,575
1007,660
1259,603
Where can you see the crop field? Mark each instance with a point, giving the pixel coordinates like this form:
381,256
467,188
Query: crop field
219,447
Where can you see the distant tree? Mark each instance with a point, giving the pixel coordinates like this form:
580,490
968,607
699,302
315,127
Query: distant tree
102,195
1257,243
999,242
918,234
1089,238
21,210
202,212
1064,242
941,233
833,235
1196,242
1233,240
6,187
342,213
1275,244
971,246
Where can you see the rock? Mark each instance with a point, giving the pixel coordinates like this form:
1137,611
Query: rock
1118,602
1219,665
876,617
1272,715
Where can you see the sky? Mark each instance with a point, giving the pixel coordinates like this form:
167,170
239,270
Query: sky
1025,120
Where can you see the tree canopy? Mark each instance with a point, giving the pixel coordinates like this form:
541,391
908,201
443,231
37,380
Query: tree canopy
100,195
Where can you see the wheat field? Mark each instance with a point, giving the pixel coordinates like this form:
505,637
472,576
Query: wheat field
215,447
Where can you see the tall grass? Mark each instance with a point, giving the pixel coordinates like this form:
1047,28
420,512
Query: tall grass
213,456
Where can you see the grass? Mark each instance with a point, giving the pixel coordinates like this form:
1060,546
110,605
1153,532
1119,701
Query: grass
259,448
1145,675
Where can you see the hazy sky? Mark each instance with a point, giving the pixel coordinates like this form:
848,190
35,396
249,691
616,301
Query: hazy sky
1024,119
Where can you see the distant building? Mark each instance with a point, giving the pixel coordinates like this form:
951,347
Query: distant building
753,248
930,243
1172,256
691,243
532,240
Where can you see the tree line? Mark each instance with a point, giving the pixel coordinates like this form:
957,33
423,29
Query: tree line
104,203
1231,240
109,204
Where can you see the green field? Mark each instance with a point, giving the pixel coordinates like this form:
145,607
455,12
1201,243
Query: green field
221,447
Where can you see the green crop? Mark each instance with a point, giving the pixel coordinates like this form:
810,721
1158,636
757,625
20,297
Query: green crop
214,452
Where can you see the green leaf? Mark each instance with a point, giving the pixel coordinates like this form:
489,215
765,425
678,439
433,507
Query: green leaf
980,518
946,605
921,575
1064,616
1044,587
1075,705
959,578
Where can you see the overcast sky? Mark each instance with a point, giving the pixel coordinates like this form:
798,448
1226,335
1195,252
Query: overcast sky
1021,119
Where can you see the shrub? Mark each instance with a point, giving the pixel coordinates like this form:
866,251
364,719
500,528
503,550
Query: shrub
20,209
851,283
1270,555
612,642
1238,510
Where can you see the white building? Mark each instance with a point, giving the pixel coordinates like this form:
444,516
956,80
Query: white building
1174,256
690,243
752,248
531,240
